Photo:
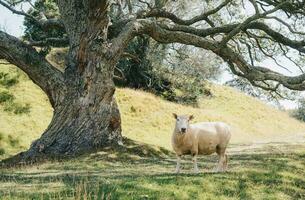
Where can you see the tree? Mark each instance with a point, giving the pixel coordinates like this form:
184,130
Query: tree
145,64
281,93
86,116
299,112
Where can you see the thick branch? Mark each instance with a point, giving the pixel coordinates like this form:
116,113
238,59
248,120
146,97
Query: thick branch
177,20
40,71
252,73
55,42
120,42
278,37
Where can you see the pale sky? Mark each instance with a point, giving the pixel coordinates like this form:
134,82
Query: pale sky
13,24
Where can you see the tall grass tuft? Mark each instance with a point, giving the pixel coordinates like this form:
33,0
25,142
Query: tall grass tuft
5,96
7,81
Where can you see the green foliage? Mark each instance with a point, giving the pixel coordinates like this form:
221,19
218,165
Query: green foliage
182,80
17,108
7,81
7,100
2,151
299,113
13,141
5,96
137,72
33,31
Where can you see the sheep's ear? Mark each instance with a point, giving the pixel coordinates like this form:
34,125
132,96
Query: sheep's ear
175,115
191,117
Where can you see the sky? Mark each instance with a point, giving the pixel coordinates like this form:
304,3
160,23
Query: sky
13,24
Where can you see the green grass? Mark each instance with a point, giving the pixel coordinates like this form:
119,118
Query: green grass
266,173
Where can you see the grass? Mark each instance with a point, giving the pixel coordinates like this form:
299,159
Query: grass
266,173
148,118
145,171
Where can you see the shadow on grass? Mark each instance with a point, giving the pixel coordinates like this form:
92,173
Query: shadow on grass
107,176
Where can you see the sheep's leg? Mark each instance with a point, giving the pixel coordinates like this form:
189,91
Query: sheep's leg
178,164
194,159
225,168
222,161
222,164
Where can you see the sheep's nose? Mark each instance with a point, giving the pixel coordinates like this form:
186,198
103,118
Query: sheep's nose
183,130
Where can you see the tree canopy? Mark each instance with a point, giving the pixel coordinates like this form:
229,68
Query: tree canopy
243,33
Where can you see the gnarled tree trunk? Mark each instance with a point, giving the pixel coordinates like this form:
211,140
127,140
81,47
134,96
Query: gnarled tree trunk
86,118
86,115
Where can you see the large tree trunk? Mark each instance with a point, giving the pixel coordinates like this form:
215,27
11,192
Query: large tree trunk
86,116
81,124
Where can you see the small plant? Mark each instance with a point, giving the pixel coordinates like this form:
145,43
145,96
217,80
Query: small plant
5,96
1,136
17,108
8,81
22,109
14,142
2,151
299,113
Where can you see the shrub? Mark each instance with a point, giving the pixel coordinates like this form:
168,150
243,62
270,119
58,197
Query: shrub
8,81
299,113
5,96
17,108
1,136
2,151
13,141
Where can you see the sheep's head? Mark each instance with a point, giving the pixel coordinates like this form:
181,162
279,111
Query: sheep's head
182,122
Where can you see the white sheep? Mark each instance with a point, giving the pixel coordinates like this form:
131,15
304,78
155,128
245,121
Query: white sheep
202,138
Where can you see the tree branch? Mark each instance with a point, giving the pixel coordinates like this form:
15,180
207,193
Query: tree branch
39,70
55,42
43,23
278,37
204,16
252,73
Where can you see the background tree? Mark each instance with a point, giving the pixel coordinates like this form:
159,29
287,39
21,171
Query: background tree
299,112
86,116
273,96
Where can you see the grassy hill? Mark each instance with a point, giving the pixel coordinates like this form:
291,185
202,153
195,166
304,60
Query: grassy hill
146,117
258,171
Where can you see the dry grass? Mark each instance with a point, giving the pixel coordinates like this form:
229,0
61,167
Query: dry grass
149,119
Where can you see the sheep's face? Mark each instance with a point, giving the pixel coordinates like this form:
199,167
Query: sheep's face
182,123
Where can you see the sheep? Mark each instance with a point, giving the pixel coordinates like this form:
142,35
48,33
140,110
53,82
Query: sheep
202,138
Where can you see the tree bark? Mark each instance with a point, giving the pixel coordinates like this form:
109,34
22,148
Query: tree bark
86,116
81,124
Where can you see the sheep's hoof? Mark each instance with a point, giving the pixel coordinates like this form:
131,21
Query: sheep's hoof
216,170
196,171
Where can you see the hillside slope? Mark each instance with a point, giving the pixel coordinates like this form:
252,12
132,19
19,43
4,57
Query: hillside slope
148,118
